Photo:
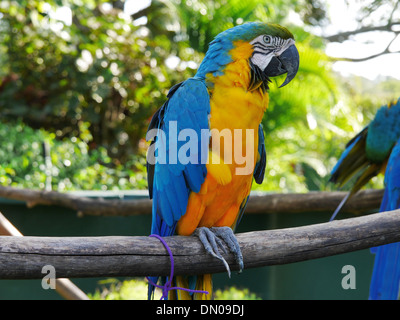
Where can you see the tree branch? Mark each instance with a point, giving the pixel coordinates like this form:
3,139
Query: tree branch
84,205
384,51
367,200
342,36
24,257
315,201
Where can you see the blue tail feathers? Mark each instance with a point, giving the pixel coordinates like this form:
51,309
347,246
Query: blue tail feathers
386,274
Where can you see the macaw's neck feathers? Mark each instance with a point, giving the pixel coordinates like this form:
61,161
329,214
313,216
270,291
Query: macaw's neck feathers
221,53
217,57
258,79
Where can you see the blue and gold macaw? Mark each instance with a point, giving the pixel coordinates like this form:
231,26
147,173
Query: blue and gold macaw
206,195
374,150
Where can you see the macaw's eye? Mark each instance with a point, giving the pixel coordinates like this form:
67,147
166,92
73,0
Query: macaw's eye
267,39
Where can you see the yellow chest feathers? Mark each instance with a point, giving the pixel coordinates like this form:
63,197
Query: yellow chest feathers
232,105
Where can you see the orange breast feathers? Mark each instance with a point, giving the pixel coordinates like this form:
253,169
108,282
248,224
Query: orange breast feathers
235,116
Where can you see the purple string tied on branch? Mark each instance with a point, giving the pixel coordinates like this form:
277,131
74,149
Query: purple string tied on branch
168,285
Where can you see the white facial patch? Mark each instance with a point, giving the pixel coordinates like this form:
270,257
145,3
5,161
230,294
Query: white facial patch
286,44
266,47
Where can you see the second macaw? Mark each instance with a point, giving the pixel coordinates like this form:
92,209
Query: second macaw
203,193
377,149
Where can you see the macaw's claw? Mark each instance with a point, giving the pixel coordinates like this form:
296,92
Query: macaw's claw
213,238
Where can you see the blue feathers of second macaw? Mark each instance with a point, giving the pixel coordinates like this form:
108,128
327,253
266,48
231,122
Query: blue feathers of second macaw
376,143
349,147
385,281
392,180
383,132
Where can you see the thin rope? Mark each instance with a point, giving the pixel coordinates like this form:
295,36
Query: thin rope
168,285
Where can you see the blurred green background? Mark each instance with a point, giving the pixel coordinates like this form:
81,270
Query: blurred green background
86,76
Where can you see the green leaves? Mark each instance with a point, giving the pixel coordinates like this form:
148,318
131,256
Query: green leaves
90,85
74,165
100,69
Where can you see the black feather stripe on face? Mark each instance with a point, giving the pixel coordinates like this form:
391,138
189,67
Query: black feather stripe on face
257,78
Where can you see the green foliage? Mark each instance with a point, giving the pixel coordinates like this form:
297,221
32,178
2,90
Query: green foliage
113,289
234,293
21,155
74,166
136,289
196,16
101,69
90,85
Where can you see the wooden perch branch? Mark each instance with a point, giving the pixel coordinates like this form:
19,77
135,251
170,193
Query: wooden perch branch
64,287
84,205
366,200
318,201
24,257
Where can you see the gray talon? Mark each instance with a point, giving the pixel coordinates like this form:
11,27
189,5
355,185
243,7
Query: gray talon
210,241
212,238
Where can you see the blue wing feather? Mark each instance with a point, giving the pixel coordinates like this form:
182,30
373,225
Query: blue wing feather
347,158
385,281
170,183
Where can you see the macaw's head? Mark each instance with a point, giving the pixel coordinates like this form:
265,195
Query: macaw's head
268,48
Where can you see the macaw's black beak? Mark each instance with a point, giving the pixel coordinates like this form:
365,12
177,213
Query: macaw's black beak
287,62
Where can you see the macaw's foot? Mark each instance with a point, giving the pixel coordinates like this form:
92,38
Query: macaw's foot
212,238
